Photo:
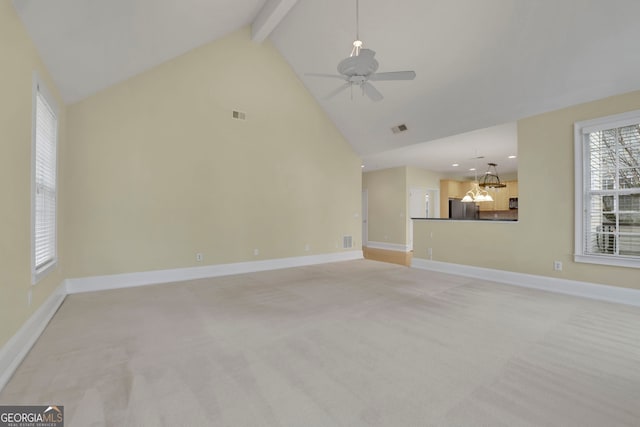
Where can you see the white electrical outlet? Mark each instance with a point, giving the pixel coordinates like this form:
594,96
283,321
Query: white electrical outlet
29,297
256,252
307,248
430,252
199,257
557,265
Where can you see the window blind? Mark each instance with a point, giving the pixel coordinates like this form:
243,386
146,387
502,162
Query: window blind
44,232
611,193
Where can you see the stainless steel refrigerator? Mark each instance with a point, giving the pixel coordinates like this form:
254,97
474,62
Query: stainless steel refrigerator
463,210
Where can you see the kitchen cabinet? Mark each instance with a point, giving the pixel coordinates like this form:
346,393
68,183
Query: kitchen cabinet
450,189
497,196
500,197
454,189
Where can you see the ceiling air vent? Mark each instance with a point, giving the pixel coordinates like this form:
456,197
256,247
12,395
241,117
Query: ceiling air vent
399,128
239,115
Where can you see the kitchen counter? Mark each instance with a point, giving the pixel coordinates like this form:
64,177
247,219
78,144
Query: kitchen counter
470,220
500,214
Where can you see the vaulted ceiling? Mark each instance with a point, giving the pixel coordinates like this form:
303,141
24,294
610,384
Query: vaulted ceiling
479,64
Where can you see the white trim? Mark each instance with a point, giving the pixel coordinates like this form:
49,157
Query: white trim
388,246
269,17
365,216
578,207
130,280
15,350
581,130
618,261
608,122
34,112
38,87
595,291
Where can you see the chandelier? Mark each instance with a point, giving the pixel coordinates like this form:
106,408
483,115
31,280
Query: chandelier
476,194
491,178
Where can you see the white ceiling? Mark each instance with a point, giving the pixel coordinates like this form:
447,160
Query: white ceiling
496,144
479,63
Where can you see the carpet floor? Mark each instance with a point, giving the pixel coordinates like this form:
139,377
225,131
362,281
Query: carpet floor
357,343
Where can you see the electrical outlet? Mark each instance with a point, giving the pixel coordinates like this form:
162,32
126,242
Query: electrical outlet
430,252
29,297
557,265
256,252
199,257
307,248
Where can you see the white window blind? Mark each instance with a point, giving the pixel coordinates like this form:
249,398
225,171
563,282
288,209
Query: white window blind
608,190
44,188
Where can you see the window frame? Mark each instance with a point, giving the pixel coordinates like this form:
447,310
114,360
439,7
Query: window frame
582,171
39,89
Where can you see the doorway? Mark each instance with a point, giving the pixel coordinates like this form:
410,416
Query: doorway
423,203
365,215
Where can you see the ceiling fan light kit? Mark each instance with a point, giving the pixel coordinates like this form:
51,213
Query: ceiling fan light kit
360,67
357,45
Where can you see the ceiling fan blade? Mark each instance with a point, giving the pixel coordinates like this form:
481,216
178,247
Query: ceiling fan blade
394,75
372,92
338,90
334,76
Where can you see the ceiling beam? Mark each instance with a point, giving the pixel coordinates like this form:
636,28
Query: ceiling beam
269,17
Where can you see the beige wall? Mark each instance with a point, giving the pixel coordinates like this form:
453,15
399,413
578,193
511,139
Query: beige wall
545,230
425,179
387,197
417,177
18,61
159,170
388,194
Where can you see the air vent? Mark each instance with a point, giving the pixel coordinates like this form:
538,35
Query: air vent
239,115
347,242
399,128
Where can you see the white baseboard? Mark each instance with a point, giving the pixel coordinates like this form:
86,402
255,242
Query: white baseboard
15,350
129,280
388,246
570,287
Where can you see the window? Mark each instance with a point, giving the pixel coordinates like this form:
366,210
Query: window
44,193
607,152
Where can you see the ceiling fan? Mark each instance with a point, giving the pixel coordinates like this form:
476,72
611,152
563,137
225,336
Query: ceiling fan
360,68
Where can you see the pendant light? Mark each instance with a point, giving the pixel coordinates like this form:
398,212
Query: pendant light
476,194
491,178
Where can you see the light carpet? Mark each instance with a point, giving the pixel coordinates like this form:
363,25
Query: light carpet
357,343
